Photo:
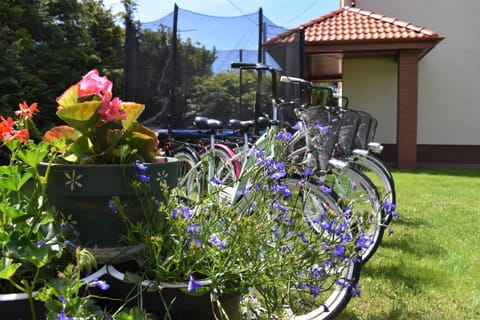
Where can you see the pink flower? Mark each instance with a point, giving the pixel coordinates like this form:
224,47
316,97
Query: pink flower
92,83
112,110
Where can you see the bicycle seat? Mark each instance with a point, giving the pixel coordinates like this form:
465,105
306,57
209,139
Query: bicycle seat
264,123
206,123
241,125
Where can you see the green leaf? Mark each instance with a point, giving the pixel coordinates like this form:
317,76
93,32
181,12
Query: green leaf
82,116
133,111
8,268
34,155
69,96
81,150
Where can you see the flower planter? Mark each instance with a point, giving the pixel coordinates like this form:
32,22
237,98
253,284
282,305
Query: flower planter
181,305
16,306
83,192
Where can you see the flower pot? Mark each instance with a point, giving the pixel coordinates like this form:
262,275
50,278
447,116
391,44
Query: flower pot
172,297
83,192
15,306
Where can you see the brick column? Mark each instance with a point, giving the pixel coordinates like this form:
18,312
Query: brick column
407,99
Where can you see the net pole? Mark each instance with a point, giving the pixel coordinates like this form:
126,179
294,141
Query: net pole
172,111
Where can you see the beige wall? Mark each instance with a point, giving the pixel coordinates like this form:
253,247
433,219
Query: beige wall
371,85
449,75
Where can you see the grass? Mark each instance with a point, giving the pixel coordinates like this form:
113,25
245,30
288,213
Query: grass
429,268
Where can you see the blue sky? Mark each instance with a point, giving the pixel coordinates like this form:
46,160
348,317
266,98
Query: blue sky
285,13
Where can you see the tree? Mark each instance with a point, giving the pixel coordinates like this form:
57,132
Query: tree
54,43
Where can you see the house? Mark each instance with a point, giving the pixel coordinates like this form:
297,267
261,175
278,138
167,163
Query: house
418,83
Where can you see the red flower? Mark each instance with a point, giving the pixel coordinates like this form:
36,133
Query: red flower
26,111
8,131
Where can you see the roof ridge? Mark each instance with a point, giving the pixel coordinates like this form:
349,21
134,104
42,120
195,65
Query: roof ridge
322,17
391,20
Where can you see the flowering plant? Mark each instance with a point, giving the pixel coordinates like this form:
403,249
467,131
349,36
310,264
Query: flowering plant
36,241
99,128
278,245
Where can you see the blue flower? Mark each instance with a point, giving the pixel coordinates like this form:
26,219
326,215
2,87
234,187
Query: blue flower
319,127
303,237
187,212
194,229
390,208
283,189
102,284
141,172
192,284
141,168
347,213
63,316
325,189
279,206
284,136
40,242
216,181
339,251
278,175
143,178
307,172
112,206
364,242
216,241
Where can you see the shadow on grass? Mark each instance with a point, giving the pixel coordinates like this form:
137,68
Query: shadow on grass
417,247
391,315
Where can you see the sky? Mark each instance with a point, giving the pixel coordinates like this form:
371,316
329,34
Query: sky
284,13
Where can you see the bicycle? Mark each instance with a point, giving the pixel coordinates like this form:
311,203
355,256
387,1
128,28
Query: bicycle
306,196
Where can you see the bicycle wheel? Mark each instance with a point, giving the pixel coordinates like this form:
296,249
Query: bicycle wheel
224,167
187,161
360,195
311,295
381,177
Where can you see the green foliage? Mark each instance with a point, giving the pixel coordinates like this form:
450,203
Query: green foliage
46,45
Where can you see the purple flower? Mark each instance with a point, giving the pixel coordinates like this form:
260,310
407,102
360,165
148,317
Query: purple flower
307,172
364,242
102,284
284,136
279,206
327,226
62,316
40,242
216,241
278,175
192,284
339,251
319,127
112,206
325,189
216,181
390,208
141,172
187,212
283,189
194,229
347,213
303,237
141,168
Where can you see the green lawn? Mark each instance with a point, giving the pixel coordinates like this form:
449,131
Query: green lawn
429,268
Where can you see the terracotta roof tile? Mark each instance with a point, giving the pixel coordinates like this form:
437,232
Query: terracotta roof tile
355,24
